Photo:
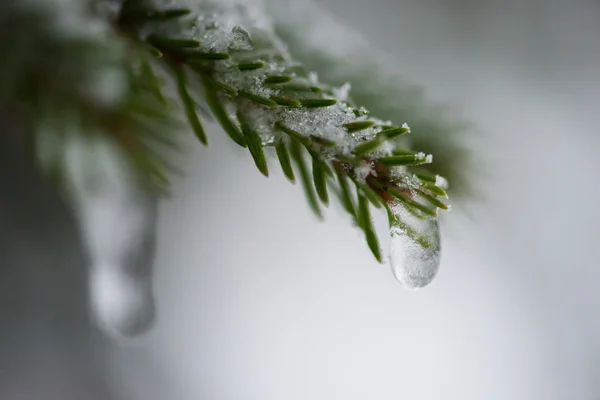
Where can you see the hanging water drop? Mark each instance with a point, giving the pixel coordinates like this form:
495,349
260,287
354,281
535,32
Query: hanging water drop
117,217
123,303
414,247
121,240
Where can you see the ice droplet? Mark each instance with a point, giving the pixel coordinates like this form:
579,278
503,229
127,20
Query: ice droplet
414,248
240,39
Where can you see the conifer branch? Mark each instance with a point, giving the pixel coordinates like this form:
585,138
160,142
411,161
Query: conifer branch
253,88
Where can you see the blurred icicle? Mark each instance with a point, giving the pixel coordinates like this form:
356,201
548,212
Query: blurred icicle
118,222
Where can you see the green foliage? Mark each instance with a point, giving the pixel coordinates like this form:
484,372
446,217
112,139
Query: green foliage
387,94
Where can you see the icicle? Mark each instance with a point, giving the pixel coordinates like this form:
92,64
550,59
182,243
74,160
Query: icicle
118,220
120,232
414,247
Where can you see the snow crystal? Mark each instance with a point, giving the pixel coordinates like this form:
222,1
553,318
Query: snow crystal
385,149
342,93
411,181
313,78
441,182
364,170
428,158
323,122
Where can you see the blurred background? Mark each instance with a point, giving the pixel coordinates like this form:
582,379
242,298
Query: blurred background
258,300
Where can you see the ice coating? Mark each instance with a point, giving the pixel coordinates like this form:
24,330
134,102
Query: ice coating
414,262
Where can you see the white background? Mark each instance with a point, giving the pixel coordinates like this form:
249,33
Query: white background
260,301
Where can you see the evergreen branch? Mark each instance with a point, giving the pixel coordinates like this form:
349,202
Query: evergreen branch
344,192
254,144
255,91
298,157
320,178
364,221
270,101
188,103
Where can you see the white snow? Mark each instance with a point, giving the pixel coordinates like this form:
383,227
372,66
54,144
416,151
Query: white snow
343,92
441,182
364,170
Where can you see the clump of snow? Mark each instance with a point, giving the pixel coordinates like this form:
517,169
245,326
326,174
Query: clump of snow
313,78
441,182
364,170
343,92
